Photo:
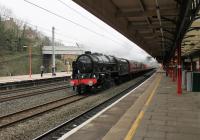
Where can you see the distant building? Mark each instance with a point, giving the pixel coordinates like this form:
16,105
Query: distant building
72,49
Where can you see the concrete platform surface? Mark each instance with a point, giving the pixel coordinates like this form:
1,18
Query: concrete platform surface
33,77
165,115
169,116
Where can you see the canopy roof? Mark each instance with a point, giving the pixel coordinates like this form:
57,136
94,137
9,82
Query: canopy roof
157,26
191,42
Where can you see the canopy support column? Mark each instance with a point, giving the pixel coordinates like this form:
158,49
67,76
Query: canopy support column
174,70
179,80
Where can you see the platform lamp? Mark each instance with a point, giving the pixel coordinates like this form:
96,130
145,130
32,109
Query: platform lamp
30,60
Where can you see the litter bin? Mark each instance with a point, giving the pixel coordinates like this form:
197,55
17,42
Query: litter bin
184,79
189,81
196,81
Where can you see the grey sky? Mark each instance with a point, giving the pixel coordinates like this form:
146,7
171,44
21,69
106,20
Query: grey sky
105,39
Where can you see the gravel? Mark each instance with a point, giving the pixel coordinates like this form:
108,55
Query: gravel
36,126
30,90
27,102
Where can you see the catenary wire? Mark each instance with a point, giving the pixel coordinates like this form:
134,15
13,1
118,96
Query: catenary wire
76,11
68,20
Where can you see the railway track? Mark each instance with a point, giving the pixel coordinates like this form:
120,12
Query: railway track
32,93
65,127
17,90
22,115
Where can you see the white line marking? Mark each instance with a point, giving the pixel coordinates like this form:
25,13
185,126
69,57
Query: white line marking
98,114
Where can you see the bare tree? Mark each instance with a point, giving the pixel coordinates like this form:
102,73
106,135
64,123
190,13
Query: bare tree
5,12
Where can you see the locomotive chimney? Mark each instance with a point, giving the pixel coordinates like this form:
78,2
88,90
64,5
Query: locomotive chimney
88,52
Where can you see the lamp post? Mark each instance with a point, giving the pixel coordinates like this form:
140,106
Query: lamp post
30,60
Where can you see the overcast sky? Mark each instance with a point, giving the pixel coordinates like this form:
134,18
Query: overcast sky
86,29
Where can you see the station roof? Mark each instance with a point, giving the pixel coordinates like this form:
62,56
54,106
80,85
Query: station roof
191,41
154,25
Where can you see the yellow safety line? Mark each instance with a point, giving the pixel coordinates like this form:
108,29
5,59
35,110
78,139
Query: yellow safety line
135,125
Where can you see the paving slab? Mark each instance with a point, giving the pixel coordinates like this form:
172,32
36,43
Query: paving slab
169,116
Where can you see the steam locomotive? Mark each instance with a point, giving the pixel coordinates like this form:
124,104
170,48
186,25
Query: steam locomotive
95,70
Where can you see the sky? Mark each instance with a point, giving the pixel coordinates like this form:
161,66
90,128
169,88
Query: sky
75,25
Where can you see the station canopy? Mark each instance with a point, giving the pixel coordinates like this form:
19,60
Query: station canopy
191,41
157,26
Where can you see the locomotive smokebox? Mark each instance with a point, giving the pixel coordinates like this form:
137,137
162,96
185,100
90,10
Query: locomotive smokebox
88,52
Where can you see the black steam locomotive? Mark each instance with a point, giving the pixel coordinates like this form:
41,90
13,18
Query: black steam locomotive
94,70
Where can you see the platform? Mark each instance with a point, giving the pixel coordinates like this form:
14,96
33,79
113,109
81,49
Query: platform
19,78
153,111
